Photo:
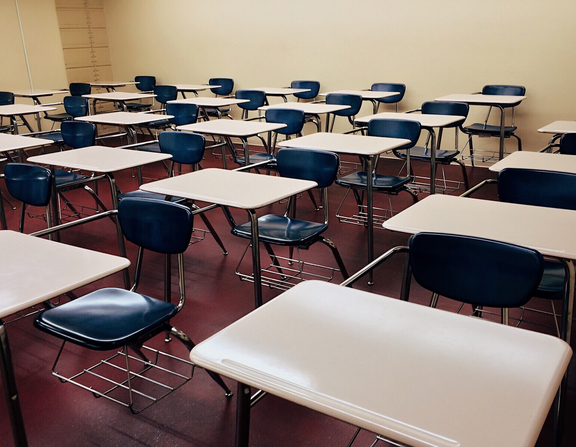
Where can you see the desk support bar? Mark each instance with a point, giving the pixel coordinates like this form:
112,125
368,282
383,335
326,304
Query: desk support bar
371,266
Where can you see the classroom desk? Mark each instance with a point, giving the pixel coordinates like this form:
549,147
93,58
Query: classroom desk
104,160
35,96
367,95
537,160
229,129
236,189
414,374
57,268
13,111
281,92
498,101
557,129
194,88
9,142
204,102
427,121
367,148
111,85
311,109
117,98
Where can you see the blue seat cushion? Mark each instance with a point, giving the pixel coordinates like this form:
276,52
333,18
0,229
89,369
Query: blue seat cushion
256,158
106,319
280,230
424,154
64,178
552,284
480,128
152,147
381,183
148,195
56,137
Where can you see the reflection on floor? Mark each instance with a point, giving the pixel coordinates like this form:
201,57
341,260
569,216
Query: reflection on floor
198,414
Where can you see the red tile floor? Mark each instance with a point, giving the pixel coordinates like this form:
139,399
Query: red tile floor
198,414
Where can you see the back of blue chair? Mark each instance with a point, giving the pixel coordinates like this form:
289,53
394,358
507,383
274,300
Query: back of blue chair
393,128
185,147
447,108
157,225
257,99
226,86
508,90
354,101
183,113
76,106
165,93
80,88
390,87
307,164
294,120
568,144
477,271
6,98
538,188
31,184
78,134
313,86
145,83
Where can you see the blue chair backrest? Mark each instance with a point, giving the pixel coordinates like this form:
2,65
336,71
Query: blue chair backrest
474,270
6,98
538,188
508,90
157,225
314,87
76,105
165,93
447,108
80,88
30,184
393,128
354,101
294,120
183,113
145,83
78,134
390,87
257,99
185,147
568,144
226,86
307,164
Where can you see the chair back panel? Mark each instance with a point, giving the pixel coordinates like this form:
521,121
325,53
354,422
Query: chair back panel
390,87
393,128
76,105
226,86
447,108
508,90
165,93
314,87
6,98
257,99
157,225
307,164
568,144
294,120
80,88
145,83
474,270
183,113
78,134
538,188
30,184
185,147
354,101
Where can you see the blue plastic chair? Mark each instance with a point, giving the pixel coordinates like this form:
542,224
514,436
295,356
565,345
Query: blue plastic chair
74,106
354,101
80,88
165,93
313,86
111,319
286,230
257,99
182,114
567,144
389,87
226,86
6,98
145,84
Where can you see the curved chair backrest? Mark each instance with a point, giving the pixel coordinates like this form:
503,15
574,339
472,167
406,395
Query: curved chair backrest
145,83
185,147
183,113
76,106
31,184
314,87
508,90
157,225
294,120
226,86
447,108
568,144
165,93
354,101
78,134
392,128
390,87
80,88
538,188
257,99
6,98
474,270
307,164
